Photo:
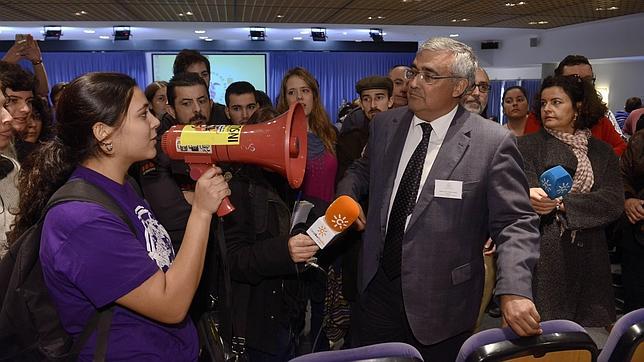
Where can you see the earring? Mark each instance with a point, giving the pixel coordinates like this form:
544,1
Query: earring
108,146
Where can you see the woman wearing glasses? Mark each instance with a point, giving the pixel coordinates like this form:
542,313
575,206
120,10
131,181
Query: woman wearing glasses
572,279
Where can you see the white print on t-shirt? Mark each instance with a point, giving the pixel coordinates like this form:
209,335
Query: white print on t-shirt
157,240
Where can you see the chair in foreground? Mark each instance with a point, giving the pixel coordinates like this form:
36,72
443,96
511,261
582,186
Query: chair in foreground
625,342
561,341
383,352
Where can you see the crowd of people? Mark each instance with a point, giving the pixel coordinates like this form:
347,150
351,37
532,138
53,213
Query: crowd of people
453,216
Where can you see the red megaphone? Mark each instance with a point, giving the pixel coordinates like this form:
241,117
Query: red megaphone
279,144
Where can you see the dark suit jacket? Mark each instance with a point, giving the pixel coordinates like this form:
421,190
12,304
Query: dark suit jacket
442,260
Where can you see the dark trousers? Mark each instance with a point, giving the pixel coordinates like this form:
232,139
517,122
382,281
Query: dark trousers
632,272
286,351
380,317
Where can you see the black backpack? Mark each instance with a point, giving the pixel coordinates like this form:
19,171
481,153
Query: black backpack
30,329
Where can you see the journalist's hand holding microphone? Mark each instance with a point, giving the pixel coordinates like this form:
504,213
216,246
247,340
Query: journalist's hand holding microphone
361,223
540,201
302,248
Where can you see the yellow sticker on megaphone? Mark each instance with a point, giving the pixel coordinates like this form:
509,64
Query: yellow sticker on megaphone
214,135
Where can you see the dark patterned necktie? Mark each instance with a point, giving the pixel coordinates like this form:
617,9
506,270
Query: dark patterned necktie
403,206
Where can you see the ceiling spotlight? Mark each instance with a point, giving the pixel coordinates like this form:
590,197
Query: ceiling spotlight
200,32
52,32
376,35
104,37
297,38
453,35
257,33
89,31
189,13
318,34
203,37
280,16
121,32
208,39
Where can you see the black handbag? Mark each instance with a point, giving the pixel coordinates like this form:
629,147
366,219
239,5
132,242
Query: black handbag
217,349
220,335
638,232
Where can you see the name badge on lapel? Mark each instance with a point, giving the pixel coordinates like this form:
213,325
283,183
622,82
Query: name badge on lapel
448,189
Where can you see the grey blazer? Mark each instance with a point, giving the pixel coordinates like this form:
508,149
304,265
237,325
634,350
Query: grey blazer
442,261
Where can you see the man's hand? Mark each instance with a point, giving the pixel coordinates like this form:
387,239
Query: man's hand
521,315
361,222
489,248
634,209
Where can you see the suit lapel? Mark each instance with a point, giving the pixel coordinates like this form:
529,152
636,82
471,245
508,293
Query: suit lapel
454,145
393,151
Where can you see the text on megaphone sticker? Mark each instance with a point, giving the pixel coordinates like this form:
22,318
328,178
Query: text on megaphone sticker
216,135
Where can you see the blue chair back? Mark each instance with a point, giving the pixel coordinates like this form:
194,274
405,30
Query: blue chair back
383,352
502,344
625,342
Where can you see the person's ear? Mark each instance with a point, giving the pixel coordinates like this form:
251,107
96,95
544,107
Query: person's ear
390,103
227,112
102,134
460,88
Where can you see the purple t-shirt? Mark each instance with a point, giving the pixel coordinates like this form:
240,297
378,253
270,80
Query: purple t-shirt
90,259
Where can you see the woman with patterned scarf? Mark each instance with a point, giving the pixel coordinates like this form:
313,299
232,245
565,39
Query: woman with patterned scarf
572,279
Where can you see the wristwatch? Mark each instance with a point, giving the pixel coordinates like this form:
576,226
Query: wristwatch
36,62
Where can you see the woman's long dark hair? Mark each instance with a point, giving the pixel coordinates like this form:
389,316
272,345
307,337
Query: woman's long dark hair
89,99
591,110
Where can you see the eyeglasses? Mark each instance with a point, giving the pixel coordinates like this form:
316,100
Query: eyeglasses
590,79
483,87
428,78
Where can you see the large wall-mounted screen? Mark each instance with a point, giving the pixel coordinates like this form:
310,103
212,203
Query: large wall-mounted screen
224,68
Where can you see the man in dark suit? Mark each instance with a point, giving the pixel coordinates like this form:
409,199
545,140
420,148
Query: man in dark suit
443,180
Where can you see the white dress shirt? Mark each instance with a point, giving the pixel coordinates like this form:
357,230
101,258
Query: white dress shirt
414,136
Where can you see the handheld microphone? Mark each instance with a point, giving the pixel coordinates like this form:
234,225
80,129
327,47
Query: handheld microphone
341,214
556,182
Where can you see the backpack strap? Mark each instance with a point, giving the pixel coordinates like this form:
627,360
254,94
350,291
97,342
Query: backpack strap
81,190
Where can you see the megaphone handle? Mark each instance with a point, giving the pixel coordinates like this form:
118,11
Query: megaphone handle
196,170
225,207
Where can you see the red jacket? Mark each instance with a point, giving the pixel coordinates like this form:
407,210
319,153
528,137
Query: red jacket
603,130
